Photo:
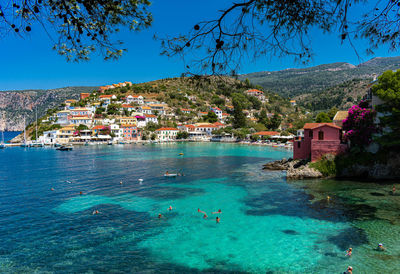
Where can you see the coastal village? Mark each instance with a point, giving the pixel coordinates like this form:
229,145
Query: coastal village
108,116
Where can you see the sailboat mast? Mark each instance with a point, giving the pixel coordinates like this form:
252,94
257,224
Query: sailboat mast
24,132
36,126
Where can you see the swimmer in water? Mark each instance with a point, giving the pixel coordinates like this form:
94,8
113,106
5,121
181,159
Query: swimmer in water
217,220
380,247
52,189
216,212
349,251
159,216
205,216
95,212
80,192
166,173
170,208
349,270
120,183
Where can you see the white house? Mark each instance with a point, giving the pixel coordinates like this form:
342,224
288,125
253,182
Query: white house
81,112
151,118
206,128
80,120
117,131
146,110
218,112
167,133
62,117
137,99
48,137
256,93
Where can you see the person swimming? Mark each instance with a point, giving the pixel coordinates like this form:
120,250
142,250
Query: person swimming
349,270
52,189
95,212
160,216
120,183
349,251
217,220
166,173
216,212
170,208
205,216
380,247
80,193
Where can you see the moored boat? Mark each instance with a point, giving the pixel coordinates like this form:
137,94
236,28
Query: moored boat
64,148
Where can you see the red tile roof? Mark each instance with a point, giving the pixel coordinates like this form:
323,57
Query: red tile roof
126,106
98,127
128,125
218,124
150,116
207,126
105,96
254,91
316,125
167,128
266,133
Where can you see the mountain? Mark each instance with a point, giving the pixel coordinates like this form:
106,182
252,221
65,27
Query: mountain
314,80
15,105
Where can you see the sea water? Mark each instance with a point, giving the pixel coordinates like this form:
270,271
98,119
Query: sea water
267,224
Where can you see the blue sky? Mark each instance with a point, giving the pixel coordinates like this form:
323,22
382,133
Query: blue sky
30,63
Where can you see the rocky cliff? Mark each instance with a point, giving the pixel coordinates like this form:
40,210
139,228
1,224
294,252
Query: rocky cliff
15,105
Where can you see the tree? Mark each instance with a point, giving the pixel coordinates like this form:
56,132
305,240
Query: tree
77,27
274,122
388,90
182,135
332,112
239,119
322,117
82,127
113,109
211,117
150,126
280,28
153,136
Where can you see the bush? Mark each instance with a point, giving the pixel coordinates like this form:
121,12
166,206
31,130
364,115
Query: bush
327,166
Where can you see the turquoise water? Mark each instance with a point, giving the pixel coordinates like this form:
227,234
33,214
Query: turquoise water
267,224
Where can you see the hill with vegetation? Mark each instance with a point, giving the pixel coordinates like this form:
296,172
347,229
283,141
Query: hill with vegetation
15,105
322,79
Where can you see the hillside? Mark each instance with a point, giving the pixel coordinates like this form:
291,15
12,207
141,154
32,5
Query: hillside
341,96
14,105
295,82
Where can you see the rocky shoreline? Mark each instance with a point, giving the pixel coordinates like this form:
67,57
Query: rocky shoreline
295,169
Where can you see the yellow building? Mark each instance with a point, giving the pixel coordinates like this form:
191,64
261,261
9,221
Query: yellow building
65,134
127,120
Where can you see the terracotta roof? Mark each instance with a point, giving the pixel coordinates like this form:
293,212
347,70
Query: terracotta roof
190,126
316,125
185,109
266,133
208,126
167,128
341,115
150,116
218,124
254,91
225,114
126,106
146,107
202,112
98,127
217,108
128,125
105,96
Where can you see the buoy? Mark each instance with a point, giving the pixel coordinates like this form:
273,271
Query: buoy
120,183
140,181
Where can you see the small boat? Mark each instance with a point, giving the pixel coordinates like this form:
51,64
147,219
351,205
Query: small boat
181,153
57,145
170,175
64,148
109,143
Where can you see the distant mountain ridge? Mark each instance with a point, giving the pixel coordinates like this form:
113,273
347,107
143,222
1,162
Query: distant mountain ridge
294,82
15,105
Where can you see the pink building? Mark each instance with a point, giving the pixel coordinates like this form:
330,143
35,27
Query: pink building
319,139
130,132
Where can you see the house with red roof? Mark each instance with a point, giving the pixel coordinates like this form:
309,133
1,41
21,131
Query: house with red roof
218,112
167,133
266,133
127,107
130,132
256,93
319,139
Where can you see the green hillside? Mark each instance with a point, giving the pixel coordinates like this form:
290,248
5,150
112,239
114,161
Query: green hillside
294,82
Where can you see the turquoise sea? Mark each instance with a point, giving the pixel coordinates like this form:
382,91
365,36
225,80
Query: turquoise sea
267,224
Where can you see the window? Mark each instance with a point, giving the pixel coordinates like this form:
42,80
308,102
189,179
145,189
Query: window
298,144
320,135
310,134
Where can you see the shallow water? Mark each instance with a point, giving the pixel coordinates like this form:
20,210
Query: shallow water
267,224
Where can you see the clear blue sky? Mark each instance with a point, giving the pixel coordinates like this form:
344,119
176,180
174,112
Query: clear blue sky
31,64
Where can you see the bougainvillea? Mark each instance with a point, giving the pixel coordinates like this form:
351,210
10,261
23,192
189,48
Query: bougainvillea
359,125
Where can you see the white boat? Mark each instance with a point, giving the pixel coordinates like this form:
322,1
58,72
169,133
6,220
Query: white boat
170,175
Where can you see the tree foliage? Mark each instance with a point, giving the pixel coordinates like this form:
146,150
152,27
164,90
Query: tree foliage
388,90
281,28
239,119
77,27
322,117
